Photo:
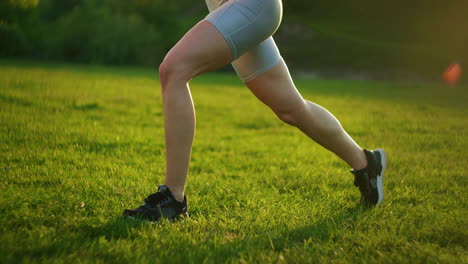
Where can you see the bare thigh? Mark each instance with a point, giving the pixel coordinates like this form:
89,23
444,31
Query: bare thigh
200,50
276,89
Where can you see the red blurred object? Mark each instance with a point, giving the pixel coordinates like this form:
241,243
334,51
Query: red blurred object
452,74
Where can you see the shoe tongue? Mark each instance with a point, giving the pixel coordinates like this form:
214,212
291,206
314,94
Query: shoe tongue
163,188
165,191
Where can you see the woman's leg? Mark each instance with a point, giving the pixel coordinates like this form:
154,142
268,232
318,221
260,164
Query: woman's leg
276,89
202,49
224,35
265,73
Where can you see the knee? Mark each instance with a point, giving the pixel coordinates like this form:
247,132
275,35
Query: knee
290,115
287,117
171,71
167,72
163,72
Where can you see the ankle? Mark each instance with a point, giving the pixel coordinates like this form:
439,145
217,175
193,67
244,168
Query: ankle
361,161
179,197
178,193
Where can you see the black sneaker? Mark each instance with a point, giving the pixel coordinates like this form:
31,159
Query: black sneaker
159,205
369,180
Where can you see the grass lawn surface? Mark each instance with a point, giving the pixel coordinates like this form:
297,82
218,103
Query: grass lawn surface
78,144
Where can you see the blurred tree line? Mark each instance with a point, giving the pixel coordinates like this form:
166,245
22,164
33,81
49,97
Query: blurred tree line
416,35
96,31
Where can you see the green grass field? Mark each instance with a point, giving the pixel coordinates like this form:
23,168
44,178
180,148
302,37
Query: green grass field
81,143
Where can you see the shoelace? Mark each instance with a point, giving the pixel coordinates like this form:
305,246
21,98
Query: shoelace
155,198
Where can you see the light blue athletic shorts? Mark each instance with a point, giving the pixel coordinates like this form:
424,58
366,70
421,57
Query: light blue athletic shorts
248,26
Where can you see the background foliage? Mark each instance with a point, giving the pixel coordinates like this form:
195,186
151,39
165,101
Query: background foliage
417,36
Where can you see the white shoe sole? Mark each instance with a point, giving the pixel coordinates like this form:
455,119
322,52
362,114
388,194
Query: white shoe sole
383,161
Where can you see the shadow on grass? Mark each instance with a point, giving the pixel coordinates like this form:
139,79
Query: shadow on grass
13,100
82,243
85,106
322,231
115,228
119,228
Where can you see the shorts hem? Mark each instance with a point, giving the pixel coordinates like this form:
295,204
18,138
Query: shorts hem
259,72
